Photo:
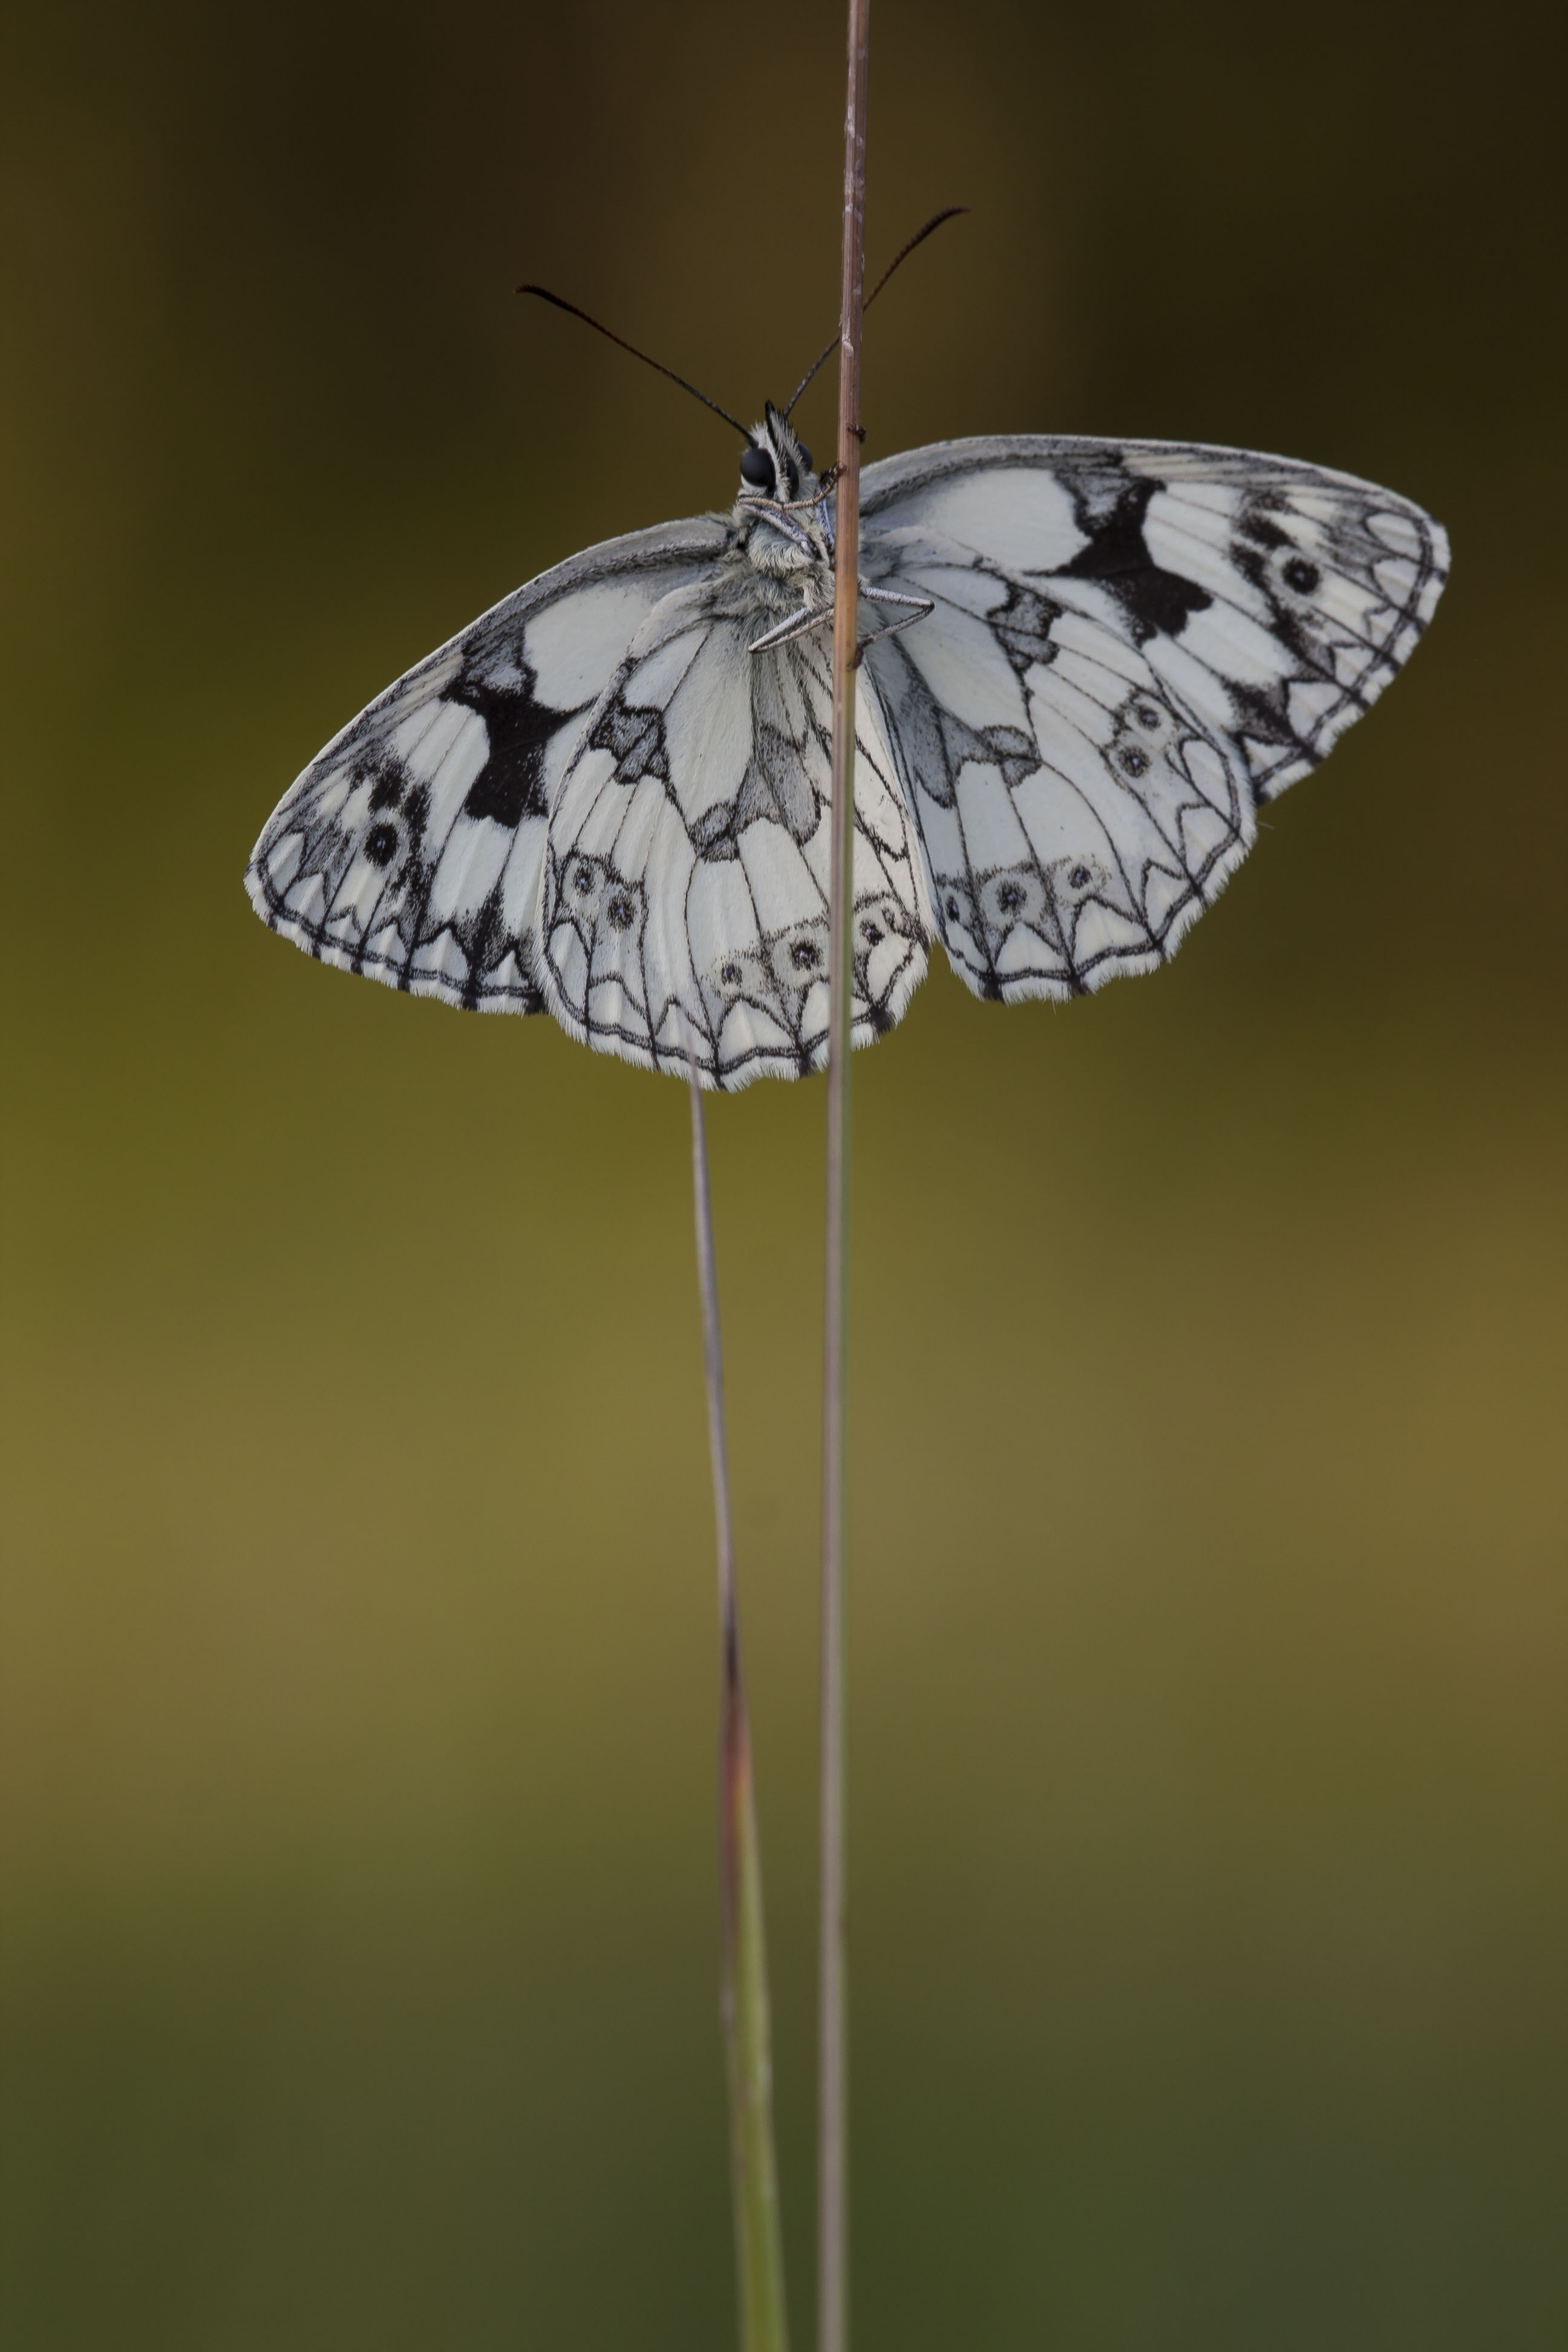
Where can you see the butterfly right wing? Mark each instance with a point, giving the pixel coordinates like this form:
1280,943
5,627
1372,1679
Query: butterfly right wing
412,848
1130,647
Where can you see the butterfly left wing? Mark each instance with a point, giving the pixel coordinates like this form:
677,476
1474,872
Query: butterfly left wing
412,848
1132,646
685,899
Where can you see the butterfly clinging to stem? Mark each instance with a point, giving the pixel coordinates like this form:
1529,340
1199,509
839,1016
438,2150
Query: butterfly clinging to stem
1085,666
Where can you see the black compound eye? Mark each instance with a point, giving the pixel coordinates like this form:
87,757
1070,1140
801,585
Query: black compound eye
757,468
806,456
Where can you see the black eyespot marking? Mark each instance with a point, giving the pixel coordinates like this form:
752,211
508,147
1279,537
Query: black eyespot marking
620,911
1146,714
804,956
872,934
757,468
730,973
1009,897
806,456
1079,878
583,881
381,843
1133,761
952,908
1300,575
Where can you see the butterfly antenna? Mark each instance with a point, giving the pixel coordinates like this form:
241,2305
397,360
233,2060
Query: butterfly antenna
546,296
903,253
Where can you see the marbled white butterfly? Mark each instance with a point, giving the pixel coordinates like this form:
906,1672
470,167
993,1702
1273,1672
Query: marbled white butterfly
1089,664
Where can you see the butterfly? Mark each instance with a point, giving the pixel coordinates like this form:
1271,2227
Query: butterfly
1087,664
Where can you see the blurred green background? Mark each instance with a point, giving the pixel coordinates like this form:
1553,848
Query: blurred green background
1210,1911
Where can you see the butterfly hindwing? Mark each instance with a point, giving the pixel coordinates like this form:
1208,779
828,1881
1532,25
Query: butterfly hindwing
685,900
1133,645
1069,810
412,848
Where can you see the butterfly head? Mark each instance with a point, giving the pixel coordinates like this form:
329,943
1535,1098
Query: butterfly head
777,465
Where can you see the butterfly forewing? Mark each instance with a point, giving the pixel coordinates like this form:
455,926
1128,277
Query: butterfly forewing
413,847
1133,644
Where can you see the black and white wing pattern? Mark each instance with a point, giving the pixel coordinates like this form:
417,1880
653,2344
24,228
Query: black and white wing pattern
685,902
413,847
1135,645
599,800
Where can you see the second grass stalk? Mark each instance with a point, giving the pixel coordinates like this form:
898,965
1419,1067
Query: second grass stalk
743,1997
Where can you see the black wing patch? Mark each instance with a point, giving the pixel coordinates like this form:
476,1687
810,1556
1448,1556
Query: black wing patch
519,726
1118,555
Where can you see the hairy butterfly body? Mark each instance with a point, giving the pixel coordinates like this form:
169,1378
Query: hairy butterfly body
1087,664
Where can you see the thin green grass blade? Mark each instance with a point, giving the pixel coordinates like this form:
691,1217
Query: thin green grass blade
743,1992
758,2253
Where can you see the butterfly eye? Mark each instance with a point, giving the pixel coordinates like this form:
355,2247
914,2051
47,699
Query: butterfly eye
757,467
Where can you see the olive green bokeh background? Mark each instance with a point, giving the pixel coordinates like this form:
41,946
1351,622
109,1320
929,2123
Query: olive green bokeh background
1208,1607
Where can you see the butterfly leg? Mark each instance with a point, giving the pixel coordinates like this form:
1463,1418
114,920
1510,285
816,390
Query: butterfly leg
917,609
797,625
